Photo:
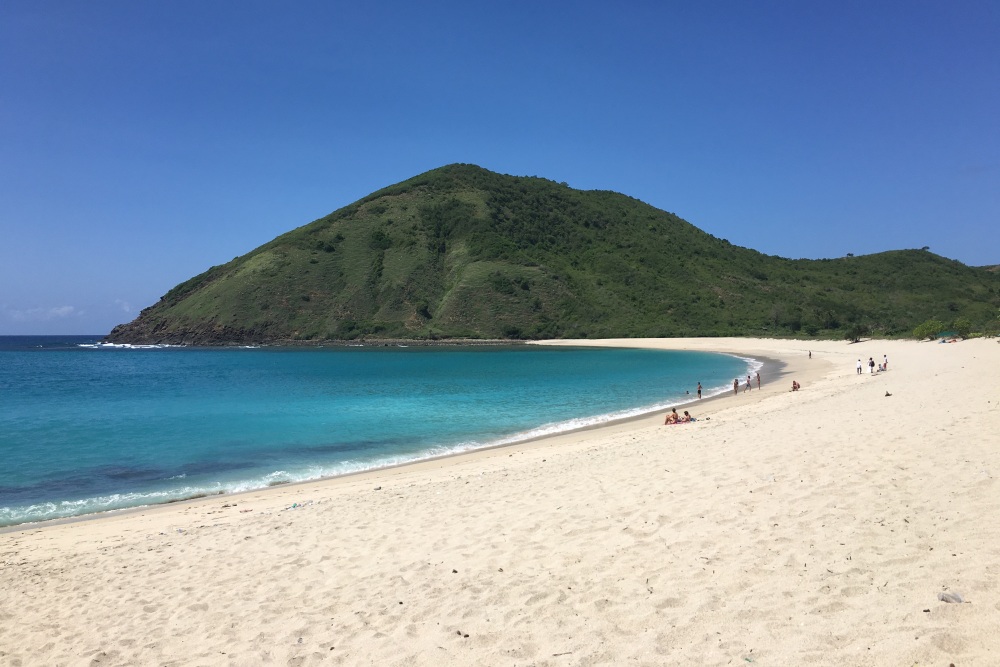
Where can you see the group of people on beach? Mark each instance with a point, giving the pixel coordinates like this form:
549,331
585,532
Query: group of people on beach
884,366
674,418
746,387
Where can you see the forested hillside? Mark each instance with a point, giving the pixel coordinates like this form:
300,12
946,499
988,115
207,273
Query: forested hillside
461,252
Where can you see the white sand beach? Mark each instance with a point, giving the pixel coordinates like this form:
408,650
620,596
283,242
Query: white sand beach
809,528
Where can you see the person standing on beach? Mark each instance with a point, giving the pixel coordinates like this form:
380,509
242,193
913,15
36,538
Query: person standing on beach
885,362
736,387
699,390
758,379
810,354
859,367
746,387
871,365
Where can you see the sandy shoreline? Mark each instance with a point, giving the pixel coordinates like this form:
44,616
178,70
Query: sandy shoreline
808,528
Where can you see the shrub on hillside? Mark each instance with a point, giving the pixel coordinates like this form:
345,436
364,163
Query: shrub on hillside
929,329
963,326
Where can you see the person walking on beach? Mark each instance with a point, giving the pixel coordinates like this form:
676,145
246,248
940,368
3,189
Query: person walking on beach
699,390
810,354
859,367
758,379
747,387
736,387
871,365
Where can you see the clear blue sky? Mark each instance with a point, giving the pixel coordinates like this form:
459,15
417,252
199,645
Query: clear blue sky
143,142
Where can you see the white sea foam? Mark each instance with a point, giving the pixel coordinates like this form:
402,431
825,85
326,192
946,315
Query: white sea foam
69,508
126,346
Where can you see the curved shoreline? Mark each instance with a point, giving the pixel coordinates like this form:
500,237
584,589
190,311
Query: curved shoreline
769,368
827,526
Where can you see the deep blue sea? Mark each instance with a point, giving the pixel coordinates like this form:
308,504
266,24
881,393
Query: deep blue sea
87,428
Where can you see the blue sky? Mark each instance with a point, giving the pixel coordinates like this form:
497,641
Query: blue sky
144,142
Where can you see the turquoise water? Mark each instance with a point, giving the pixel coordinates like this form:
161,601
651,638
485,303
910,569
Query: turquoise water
87,428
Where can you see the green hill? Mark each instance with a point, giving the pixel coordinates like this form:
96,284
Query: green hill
461,252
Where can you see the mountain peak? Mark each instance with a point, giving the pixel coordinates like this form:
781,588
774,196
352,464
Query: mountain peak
463,252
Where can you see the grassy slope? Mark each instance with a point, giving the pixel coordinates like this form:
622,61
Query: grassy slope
463,252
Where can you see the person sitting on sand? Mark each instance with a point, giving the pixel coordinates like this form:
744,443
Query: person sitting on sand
795,385
687,417
672,418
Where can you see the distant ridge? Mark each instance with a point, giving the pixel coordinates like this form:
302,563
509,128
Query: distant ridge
462,252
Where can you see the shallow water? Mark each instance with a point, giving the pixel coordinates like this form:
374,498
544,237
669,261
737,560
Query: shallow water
88,428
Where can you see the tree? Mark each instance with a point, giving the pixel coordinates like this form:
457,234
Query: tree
963,326
928,329
855,332
992,327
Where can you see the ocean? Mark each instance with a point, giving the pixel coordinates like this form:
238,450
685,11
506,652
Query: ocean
87,428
